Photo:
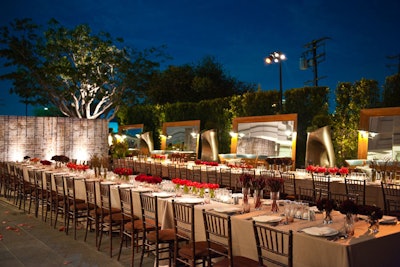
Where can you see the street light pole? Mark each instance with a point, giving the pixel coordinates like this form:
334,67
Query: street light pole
280,87
277,57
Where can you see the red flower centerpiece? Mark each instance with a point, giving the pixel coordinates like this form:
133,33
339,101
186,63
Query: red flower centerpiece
123,172
344,171
77,167
274,184
349,209
258,185
326,205
45,162
246,181
148,179
311,168
374,213
333,170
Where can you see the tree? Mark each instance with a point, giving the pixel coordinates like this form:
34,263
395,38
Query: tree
391,91
350,99
311,106
194,82
85,75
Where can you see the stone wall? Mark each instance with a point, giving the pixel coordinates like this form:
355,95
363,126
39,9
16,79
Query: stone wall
45,137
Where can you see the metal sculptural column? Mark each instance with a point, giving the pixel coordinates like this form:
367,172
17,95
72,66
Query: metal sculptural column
146,143
319,148
209,146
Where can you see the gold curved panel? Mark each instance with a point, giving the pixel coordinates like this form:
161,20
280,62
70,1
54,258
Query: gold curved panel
319,148
209,146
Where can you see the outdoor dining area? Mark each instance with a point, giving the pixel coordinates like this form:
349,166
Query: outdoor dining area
202,218
186,204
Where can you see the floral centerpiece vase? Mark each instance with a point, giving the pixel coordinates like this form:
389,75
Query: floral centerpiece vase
246,181
349,224
258,185
275,197
373,225
257,195
245,204
374,213
326,205
274,184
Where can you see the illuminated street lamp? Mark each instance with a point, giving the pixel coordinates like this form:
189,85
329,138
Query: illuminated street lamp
277,57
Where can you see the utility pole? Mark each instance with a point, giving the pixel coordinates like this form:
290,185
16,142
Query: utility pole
394,65
311,57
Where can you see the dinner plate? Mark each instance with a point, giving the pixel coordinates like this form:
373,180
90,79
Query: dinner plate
163,194
108,182
280,202
125,185
388,220
141,189
321,231
189,200
267,219
227,209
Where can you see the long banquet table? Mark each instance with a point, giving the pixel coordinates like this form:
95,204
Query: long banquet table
363,249
373,191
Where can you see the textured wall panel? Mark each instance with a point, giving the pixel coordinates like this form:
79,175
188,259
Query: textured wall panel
44,137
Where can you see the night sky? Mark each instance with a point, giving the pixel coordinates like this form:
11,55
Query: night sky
239,34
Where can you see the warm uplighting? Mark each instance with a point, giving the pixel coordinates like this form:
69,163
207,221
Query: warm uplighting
120,138
363,134
164,136
81,154
237,135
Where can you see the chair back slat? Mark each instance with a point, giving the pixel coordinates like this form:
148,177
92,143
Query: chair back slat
322,182
90,188
225,177
356,187
391,198
289,183
218,232
212,174
184,220
125,196
271,241
184,226
196,173
105,199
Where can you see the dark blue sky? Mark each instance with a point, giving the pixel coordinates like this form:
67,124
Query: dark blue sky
238,33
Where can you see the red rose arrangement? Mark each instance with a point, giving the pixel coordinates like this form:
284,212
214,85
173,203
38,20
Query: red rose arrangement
123,171
246,180
148,179
344,171
45,162
77,167
275,184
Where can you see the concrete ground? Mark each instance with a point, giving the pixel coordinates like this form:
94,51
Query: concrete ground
28,241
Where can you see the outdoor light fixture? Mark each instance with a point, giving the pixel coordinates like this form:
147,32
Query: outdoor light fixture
194,134
237,135
277,57
363,134
372,134
166,136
